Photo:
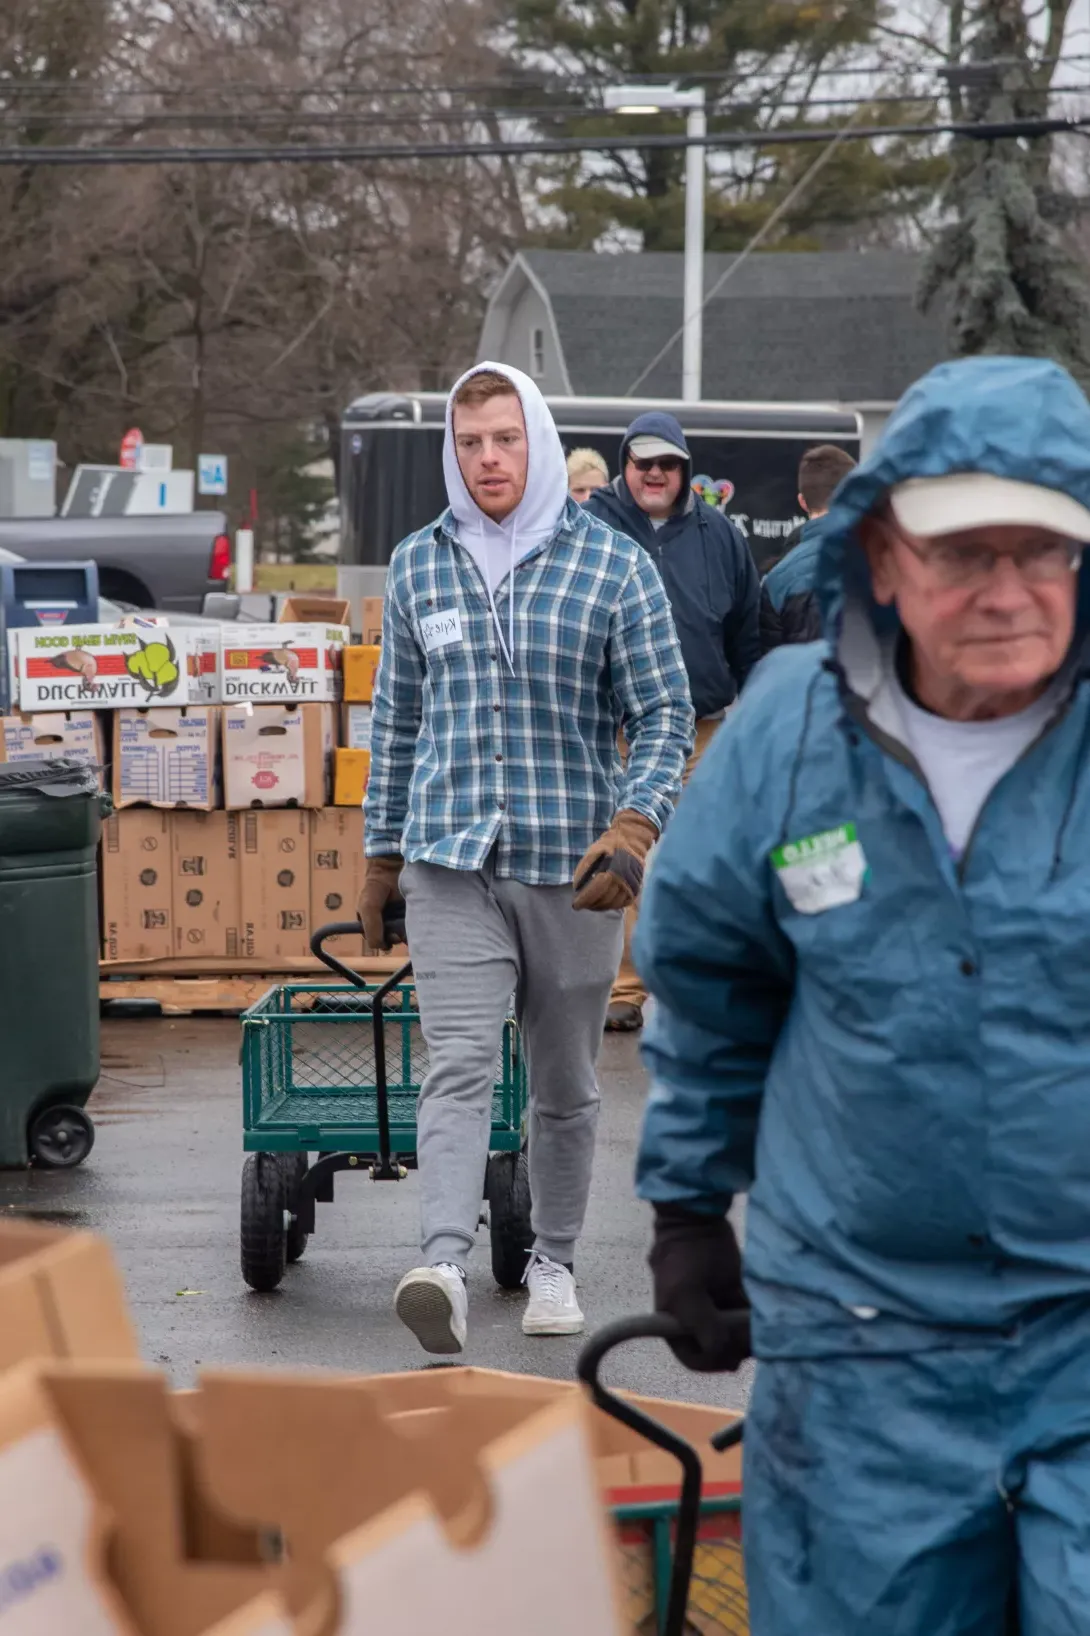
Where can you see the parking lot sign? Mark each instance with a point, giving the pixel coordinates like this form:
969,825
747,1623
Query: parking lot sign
212,474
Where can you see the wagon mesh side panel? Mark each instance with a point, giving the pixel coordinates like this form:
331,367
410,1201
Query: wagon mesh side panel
318,1065
717,1592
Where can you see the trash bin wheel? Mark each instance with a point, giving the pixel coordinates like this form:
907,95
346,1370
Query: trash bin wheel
264,1237
60,1137
507,1188
295,1168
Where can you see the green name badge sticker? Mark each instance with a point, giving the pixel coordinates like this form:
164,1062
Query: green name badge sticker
821,871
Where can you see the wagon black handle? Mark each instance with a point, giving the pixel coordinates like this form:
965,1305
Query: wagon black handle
393,917
646,1326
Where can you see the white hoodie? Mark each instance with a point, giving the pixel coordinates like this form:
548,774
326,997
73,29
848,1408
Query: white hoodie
497,547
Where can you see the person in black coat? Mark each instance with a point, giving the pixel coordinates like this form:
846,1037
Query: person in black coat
789,610
714,595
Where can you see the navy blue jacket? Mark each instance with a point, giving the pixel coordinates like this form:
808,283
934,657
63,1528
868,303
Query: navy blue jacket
708,572
789,604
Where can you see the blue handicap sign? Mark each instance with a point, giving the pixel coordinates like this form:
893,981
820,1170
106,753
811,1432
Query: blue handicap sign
212,474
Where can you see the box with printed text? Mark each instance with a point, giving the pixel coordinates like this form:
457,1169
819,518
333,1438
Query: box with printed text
282,664
277,755
336,871
136,885
274,873
108,667
75,734
167,758
205,899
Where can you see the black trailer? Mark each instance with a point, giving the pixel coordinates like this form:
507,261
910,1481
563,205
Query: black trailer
745,460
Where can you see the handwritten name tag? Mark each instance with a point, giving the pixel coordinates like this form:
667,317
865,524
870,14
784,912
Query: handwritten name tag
440,629
822,871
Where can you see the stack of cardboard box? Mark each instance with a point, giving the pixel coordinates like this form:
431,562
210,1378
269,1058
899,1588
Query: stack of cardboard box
223,847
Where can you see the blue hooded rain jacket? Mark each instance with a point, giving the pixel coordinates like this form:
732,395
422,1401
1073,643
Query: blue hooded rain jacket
901,1082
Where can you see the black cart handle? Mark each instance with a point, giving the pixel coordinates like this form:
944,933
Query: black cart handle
345,928
647,1326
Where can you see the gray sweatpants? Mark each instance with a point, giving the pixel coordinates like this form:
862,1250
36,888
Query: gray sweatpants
475,940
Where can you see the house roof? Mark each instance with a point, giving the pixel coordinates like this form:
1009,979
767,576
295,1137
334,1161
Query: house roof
787,326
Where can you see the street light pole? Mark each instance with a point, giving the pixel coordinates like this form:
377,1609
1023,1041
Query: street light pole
692,341
662,99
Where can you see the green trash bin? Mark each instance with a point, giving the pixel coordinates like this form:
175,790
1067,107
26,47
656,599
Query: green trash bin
50,817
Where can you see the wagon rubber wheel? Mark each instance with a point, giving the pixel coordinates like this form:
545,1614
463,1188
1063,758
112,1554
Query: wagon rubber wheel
264,1239
60,1137
507,1189
295,1168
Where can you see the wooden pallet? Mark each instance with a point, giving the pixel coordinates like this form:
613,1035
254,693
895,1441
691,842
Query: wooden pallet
182,996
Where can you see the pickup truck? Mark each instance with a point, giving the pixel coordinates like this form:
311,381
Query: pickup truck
170,563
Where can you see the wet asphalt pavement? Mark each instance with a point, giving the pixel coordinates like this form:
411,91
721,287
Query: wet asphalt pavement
162,1184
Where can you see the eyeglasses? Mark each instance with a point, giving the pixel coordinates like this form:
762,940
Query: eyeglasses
666,463
1040,563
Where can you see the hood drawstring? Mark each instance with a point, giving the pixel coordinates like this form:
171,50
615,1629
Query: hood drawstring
507,646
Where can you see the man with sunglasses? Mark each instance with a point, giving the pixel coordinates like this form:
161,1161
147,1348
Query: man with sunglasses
714,595
868,933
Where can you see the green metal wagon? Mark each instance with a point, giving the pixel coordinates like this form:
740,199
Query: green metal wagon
334,1070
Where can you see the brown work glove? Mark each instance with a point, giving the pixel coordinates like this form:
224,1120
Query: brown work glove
610,875
380,890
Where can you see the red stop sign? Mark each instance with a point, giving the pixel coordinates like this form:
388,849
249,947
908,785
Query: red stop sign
131,444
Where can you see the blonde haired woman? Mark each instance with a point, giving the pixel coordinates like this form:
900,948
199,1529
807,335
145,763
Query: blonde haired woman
587,471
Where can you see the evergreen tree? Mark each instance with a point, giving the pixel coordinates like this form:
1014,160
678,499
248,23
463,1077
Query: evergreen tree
1002,264
758,59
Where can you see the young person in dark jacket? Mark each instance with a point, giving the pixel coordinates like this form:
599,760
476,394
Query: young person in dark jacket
789,610
714,594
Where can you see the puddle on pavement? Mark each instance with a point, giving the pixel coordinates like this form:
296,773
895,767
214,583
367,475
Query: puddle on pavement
56,1217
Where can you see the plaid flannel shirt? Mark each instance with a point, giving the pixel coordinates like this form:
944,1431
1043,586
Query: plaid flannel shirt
466,756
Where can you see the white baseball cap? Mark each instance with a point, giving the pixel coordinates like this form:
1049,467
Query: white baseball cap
646,447
976,499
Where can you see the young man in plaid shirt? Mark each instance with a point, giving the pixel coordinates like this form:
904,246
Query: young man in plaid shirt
519,634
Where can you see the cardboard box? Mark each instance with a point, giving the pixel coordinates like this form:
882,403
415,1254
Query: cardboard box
106,667
167,758
336,871
277,755
351,770
60,1297
299,609
76,734
205,895
136,885
356,726
281,664
360,664
371,620
275,884
106,1531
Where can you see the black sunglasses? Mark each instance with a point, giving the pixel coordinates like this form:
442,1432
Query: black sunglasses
665,462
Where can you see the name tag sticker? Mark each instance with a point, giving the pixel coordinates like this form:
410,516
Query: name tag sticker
440,629
821,871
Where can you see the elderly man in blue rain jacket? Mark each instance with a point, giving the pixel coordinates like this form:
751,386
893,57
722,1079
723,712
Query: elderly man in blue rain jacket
868,932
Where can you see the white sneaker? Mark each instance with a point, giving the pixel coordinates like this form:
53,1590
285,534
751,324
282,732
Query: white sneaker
431,1301
552,1308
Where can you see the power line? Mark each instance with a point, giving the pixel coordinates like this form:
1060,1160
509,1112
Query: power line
444,116
517,148
530,82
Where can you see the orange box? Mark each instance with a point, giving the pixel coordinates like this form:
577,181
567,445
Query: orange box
351,769
360,664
